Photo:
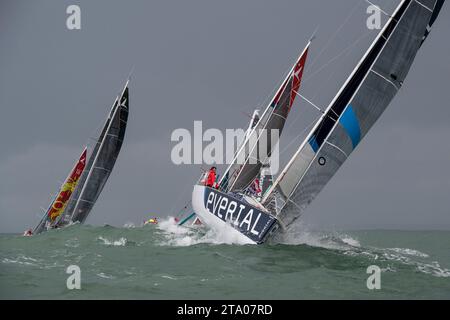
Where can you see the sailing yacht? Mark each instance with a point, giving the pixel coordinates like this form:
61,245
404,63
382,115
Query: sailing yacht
364,96
80,191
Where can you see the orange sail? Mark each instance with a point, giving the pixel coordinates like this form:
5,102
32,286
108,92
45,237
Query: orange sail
60,202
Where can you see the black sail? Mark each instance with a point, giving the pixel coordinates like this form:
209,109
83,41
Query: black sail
100,163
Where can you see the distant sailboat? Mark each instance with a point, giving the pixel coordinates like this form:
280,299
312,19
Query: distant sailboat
82,188
359,103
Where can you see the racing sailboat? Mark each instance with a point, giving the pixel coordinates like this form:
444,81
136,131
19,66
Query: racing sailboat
366,93
81,189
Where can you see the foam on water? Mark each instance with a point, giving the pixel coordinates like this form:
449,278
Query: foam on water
129,225
300,234
176,235
118,243
105,276
166,260
410,252
21,259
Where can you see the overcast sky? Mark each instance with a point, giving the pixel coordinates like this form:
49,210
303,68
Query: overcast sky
211,61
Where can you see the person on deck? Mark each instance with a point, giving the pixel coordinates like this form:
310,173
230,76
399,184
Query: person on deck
254,188
211,178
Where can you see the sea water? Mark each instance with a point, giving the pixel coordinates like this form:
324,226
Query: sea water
166,261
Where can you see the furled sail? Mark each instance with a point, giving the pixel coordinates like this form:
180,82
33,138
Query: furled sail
59,203
100,163
360,102
246,164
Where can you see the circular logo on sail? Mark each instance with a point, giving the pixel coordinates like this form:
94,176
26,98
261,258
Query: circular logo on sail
322,161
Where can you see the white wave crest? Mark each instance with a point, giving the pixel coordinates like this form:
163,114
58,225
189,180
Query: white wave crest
409,252
301,234
129,225
176,235
118,243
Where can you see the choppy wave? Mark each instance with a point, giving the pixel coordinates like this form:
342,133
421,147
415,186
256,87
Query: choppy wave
152,259
409,252
175,235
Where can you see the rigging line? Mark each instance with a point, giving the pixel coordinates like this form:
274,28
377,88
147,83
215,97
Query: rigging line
182,210
180,197
345,51
365,35
355,6
267,100
295,138
347,48
238,144
309,101
379,8
322,84
131,73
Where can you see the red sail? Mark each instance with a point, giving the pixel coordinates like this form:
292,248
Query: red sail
67,188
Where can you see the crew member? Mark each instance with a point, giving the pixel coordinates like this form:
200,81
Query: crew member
211,178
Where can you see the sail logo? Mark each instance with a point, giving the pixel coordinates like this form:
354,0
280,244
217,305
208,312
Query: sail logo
256,146
67,188
297,73
61,202
248,220
123,103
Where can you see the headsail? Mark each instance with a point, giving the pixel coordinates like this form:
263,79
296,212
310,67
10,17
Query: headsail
246,164
100,163
58,205
360,102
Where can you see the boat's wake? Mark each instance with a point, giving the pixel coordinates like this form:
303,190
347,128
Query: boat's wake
175,235
339,242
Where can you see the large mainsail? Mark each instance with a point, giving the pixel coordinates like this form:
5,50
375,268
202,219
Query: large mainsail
100,163
246,164
360,102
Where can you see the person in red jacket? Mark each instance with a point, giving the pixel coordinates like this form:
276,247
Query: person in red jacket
211,178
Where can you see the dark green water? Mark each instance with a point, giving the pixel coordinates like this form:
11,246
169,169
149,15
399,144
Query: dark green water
169,262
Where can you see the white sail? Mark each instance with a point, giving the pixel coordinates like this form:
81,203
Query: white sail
360,102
